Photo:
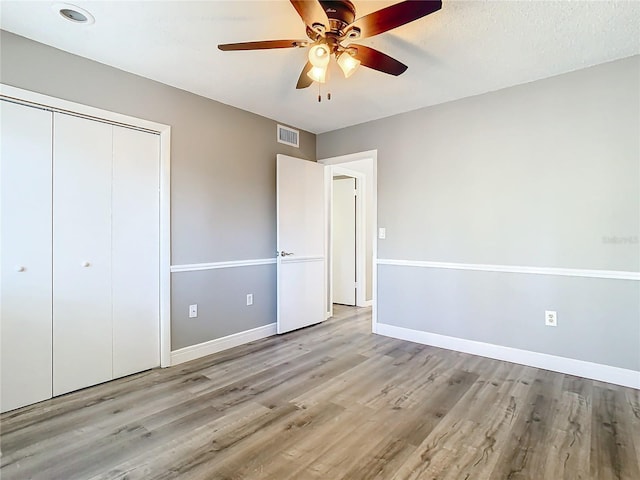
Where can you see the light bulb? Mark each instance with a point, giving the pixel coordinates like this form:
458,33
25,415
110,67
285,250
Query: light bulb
319,55
318,74
348,64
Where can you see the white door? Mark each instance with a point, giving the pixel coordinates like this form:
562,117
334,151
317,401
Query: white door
343,251
300,243
82,327
25,255
135,251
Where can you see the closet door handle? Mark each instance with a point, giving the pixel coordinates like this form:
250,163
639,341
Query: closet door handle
86,264
20,268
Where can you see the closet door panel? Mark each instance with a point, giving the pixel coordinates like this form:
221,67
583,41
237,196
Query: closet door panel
135,254
25,255
82,327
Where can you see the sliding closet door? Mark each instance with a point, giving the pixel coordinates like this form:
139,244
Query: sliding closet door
136,253
82,328
25,255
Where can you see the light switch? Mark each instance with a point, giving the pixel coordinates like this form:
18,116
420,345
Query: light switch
382,233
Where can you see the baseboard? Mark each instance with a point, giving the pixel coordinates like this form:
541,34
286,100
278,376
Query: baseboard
219,344
366,303
581,368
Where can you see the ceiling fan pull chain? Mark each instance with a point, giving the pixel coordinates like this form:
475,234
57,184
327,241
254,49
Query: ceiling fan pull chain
319,94
329,96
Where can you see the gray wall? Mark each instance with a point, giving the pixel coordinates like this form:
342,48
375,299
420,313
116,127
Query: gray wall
222,179
221,298
544,174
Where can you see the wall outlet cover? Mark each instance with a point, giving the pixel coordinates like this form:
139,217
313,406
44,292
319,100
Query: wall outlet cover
551,318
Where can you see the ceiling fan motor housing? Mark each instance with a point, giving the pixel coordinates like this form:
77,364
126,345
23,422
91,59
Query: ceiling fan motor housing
341,14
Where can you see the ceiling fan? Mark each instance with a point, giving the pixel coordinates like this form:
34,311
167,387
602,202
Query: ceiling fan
331,27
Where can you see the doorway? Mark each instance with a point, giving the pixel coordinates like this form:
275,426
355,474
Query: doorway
362,168
344,239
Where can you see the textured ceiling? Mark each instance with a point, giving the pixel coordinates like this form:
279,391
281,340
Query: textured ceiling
467,48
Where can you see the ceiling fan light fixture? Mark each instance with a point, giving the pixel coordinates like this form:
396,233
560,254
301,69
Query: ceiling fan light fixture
318,74
348,63
319,55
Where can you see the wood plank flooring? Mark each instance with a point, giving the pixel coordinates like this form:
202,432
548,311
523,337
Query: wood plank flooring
331,402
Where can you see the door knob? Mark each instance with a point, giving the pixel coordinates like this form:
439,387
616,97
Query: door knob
85,264
285,254
20,268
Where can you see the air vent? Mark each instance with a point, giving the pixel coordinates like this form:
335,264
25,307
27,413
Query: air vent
288,136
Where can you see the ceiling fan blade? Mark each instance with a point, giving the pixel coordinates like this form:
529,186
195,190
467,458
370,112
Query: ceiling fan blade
266,44
372,58
311,12
304,81
394,16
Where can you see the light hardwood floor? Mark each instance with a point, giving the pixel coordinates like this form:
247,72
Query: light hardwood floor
331,402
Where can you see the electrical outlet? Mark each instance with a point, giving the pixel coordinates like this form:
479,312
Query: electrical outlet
249,298
193,311
550,318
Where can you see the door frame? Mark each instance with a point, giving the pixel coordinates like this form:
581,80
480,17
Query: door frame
46,102
343,161
360,246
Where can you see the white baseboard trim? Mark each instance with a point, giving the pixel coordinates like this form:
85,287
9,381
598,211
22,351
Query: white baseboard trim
193,267
366,303
219,344
594,371
565,272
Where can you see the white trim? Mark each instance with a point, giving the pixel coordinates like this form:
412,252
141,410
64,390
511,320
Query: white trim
38,100
301,259
581,368
165,247
374,287
219,344
328,247
193,267
566,272
351,157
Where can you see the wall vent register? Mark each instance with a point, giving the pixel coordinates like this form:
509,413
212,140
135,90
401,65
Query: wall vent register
288,136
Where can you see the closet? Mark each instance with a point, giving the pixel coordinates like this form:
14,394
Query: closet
79,249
